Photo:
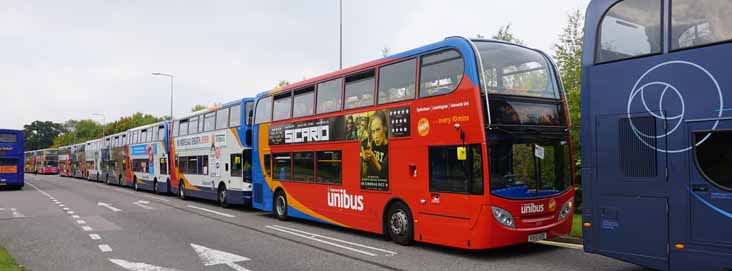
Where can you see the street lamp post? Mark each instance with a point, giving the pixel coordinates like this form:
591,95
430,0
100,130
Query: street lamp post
340,45
171,91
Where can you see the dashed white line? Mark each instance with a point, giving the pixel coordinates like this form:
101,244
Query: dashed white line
75,216
211,211
87,228
70,212
138,194
389,253
105,248
81,221
66,209
95,236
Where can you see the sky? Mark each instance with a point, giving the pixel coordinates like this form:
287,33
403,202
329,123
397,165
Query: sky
62,60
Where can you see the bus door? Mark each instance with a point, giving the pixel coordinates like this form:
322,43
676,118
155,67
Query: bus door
629,208
455,183
710,181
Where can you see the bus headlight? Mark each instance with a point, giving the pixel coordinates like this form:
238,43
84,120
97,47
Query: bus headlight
503,217
566,209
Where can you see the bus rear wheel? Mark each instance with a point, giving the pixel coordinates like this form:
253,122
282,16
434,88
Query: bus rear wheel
155,186
134,184
400,224
280,208
181,191
221,196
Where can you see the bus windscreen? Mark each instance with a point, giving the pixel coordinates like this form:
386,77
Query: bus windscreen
8,138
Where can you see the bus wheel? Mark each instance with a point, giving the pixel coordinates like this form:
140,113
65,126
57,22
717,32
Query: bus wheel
107,180
119,180
134,184
97,179
181,191
222,196
399,224
155,186
280,208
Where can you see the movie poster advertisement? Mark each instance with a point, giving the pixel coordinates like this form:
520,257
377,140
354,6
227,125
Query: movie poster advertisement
371,129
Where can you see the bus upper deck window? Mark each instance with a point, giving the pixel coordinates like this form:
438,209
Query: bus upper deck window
440,73
696,23
630,28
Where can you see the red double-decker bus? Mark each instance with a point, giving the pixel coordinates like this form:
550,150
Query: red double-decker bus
462,143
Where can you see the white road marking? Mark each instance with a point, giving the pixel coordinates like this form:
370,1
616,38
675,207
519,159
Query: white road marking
108,206
95,236
67,209
105,248
2,209
211,257
314,235
70,212
560,244
75,216
131,266
138,194
61,205
211,211
141,204
15,213
87,228
321,241
81,221
39,190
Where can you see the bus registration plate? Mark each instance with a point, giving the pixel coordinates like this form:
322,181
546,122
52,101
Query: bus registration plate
537,237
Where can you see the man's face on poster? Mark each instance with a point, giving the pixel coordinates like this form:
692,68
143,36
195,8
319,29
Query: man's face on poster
378,133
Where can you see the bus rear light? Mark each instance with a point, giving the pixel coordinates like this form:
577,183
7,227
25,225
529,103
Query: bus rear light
503,217
566,209
680,246
587,225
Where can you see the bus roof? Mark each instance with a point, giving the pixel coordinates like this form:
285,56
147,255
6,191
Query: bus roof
460,43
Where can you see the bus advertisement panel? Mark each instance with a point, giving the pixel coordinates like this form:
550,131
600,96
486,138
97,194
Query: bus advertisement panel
11,159
656,133
461,143
212,156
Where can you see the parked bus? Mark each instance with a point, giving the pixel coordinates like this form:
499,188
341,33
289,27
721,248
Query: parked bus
116,161
93,158
30,161
212,151
64,161
47,161
78,161
656,133
462,143
148,154
11,159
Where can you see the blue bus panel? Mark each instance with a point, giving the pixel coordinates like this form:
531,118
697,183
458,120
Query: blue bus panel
11,158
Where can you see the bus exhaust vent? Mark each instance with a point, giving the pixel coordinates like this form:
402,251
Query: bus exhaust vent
637,159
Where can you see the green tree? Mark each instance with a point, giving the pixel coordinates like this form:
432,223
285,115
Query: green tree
40,134
568,55
504,34
198,107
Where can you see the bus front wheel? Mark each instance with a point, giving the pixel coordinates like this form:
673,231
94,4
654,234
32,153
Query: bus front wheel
155,186
400,224
280,208
181,191
134,183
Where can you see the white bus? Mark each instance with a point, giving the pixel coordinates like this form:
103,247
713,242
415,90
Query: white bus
213,155
148,156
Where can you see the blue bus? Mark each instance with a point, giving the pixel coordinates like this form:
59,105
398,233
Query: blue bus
11,158
657,132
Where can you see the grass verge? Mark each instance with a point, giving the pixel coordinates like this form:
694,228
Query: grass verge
7,263
576,226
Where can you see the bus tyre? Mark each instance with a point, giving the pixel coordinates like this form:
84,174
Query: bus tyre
400,224
181,191
134,184
280,208
221,196
155,186
107,180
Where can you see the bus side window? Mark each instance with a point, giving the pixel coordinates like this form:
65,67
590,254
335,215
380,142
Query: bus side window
236,165
267,164
621,38
440,73
697,23
451,175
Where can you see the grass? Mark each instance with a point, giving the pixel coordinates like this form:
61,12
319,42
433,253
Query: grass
576,226
7,263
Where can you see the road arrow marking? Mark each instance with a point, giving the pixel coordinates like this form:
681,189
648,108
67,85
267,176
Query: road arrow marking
139,266
142,204
108,206
15,213
94,236
105,248
211,257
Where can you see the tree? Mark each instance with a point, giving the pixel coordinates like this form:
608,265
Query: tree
504,34
568,55
40,134
479,36
198,107
386,51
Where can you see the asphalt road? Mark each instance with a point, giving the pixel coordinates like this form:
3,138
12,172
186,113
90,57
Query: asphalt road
57,223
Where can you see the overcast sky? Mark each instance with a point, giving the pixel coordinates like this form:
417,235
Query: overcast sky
63,60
